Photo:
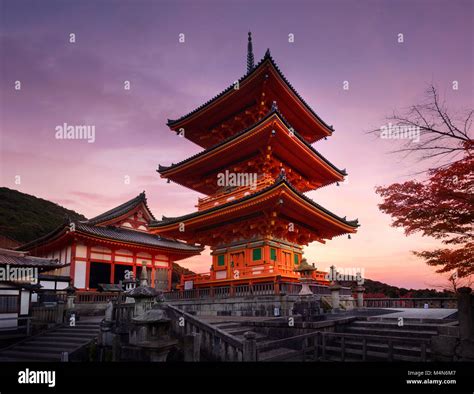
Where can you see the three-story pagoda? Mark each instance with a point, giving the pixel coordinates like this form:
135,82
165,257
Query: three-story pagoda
256,164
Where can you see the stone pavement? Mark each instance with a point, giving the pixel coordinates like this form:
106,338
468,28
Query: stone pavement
419,313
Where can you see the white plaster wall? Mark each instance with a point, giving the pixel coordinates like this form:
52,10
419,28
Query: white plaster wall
80,275
24,302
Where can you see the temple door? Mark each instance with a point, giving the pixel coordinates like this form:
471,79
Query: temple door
161,279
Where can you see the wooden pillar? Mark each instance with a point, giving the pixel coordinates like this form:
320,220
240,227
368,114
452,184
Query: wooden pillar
72,267
170,273
134,257
88,265
112,266
266,253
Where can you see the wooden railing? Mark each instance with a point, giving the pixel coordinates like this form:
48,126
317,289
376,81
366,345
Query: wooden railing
48,314
315,346
256,271
246,290
239,192
436,302
273,268
95,297
16,327
123,312
216,344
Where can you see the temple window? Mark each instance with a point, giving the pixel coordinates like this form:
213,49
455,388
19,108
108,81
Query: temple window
257,254
296,258
273,254
221,259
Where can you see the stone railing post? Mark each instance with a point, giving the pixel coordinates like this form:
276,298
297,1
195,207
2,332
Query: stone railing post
335,295
250,346
360,296
192,347
466,325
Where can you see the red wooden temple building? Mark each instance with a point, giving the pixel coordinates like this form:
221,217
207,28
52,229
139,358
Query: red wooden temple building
100,250
256,165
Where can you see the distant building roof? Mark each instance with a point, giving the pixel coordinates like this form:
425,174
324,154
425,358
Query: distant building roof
137,237
22,259
115,234
97,227
121,210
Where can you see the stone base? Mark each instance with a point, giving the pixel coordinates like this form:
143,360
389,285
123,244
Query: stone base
249,306
240,306
451,348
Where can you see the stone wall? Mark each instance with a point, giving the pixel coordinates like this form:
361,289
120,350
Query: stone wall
240,306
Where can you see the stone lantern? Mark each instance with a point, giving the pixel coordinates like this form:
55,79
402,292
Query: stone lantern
143,295
360,296
151,332
129,283
305,271
335,289
70,309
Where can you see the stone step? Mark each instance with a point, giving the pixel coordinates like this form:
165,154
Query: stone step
31,348
394,325
74,330
279,354
390,332
259,337
227,326
239,331
59,346
408,350
371,355
30,356
62,340
67,334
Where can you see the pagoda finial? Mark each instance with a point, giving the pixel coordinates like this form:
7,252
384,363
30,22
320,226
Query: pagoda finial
250,59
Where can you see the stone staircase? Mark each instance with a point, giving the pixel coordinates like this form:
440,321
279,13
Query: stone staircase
378,334
49,345
238,330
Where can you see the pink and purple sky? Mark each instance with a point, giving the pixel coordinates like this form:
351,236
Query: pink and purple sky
82,83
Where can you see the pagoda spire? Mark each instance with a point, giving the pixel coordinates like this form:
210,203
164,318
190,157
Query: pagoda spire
250,59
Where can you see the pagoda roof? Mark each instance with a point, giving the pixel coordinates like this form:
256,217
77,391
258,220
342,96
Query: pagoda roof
121,210
266,60
280,183
274,111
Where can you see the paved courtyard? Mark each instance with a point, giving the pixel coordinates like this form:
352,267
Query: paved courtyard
420,313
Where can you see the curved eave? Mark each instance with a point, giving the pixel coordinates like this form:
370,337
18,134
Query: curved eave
165,171
120,211
59,234
47,238
174,124
166,249
350,225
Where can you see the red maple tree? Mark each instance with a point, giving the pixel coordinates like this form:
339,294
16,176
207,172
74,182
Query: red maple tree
441,207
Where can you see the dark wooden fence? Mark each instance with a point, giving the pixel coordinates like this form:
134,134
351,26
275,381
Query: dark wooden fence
315,346
436,302
257,289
